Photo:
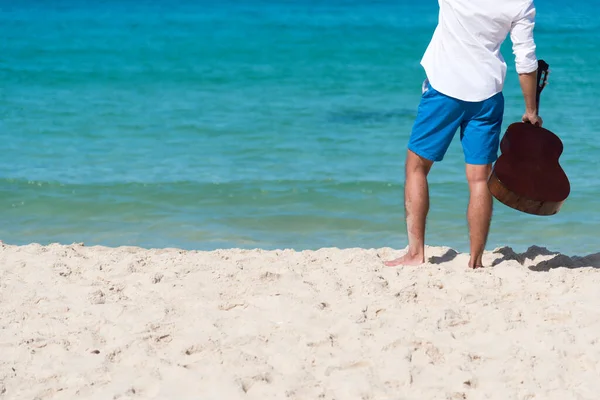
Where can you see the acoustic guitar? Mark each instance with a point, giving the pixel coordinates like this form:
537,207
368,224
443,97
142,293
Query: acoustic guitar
527,176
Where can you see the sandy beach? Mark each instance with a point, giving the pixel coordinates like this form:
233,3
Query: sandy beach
82,322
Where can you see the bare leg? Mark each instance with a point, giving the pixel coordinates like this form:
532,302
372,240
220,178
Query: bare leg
479,213
416,203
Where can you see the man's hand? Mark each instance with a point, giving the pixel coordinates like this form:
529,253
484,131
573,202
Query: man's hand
533,118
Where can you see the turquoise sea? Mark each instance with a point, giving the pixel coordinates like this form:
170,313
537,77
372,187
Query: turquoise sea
259,123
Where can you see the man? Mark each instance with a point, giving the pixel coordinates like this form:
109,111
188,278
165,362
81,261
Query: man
465,77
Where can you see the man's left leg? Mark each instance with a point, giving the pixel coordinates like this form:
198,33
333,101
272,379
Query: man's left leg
438,119
416,205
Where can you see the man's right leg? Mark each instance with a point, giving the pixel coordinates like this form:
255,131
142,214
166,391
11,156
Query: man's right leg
480,140
479,213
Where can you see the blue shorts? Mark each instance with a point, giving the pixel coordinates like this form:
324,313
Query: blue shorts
439,117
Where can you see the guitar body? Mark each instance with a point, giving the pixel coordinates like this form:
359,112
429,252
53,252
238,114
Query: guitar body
527,176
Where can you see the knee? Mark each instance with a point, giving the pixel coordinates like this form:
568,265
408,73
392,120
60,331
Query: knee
477,174
415,164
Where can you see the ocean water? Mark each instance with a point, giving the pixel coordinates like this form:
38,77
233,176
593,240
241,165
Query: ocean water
259,123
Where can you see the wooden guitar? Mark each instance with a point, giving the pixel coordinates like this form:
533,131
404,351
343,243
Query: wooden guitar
527,176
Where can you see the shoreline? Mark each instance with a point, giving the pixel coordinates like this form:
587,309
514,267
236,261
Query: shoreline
535,256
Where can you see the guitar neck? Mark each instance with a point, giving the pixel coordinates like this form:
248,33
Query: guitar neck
542,78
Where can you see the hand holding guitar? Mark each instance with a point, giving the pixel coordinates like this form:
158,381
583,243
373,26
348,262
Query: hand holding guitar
533,118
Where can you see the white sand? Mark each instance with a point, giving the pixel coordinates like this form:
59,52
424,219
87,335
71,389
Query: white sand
101,323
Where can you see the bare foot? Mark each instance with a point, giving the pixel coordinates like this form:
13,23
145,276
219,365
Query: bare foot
475,263
406,260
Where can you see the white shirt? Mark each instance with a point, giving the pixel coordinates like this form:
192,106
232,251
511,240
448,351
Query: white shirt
463,59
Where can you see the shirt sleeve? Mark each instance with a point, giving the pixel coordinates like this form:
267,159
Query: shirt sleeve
521,35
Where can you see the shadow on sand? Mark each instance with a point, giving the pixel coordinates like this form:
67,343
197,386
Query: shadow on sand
447,257
557,261
552,259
